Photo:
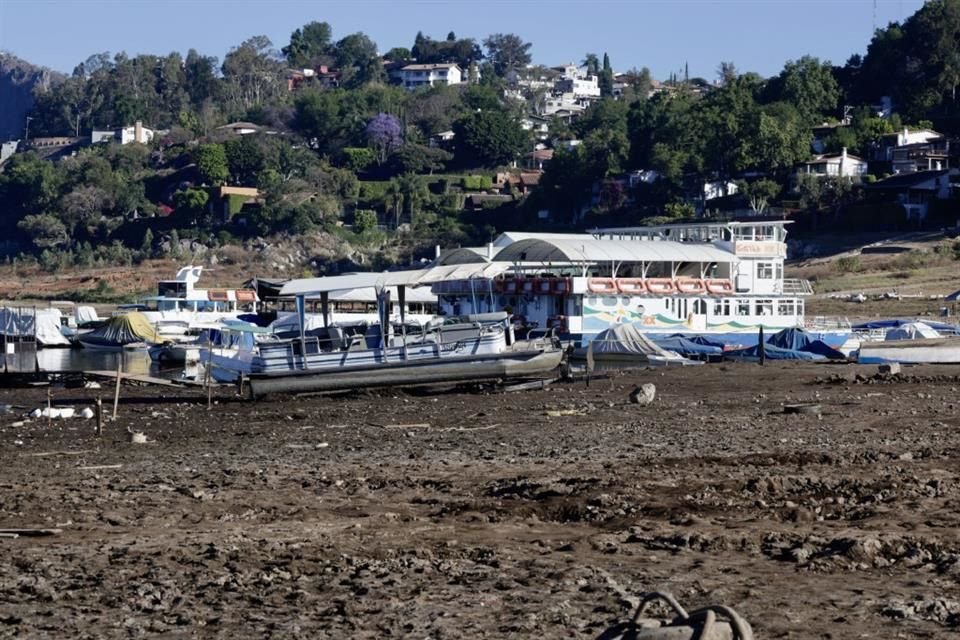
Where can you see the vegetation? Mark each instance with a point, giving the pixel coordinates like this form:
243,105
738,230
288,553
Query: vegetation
367,154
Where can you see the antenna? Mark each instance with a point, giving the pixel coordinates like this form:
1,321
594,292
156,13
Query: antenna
874,16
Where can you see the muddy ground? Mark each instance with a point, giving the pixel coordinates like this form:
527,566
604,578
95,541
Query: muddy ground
530,514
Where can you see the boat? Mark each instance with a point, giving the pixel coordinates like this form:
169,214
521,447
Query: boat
454,350
29,324
626,345
720,280
912,343
126,332
179,305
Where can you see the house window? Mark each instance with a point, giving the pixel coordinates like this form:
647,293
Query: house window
764,271
786,307
743,307
721,307
764,307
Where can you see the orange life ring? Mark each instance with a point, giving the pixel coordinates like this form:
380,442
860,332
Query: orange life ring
691,286
631,286
602,285
661,286
719,286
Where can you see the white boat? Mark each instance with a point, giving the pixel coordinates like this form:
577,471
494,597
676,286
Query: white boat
720,280
179,305
911,343
474,349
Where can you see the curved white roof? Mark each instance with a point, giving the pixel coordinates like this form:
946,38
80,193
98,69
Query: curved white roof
586,248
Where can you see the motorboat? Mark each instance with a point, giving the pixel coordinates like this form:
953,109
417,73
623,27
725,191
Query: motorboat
126,332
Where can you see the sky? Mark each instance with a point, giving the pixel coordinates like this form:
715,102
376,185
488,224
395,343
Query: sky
664,35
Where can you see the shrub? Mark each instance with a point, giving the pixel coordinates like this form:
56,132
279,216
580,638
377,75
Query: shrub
848,264
477,183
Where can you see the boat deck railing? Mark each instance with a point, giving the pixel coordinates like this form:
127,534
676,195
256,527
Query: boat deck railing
797,287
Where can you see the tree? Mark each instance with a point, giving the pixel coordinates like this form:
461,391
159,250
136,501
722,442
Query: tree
507,51
398,54
417,158
606,78
384,134
758,193
44,230
640,82
364,220
726,73
356,56
192,203
252,74
212,164
307,44
245,159
809,85
488,139
592,63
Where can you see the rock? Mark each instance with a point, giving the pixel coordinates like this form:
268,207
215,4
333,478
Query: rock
893,368
644,394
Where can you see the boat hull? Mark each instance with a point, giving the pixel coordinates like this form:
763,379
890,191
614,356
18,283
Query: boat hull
510,364
925,351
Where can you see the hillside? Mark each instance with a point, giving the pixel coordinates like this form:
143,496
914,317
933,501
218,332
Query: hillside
18,79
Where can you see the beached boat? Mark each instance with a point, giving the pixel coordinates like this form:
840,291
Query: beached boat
719,280
471,349
626,345
911,343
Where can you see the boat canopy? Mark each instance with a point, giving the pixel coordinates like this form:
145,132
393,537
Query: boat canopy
568,248
127,328
313,287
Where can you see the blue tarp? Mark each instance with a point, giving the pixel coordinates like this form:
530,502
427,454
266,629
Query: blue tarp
752,354
689,347
799,340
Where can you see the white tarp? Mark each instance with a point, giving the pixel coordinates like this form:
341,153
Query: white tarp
42,324
626,339
85,314
912,331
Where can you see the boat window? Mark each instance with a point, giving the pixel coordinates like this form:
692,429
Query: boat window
609,301
700,307
625,300
785,307
764,307
721,307
743,307
779,268
764,270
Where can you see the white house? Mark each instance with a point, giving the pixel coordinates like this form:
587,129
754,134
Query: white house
883,151
586,87
124,135
840,165
414,76
915,191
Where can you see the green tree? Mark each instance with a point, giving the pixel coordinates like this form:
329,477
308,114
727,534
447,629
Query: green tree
606,78
308,44
44,230
809,85
507,51
364,221
245,159
758,193
488,139
212,163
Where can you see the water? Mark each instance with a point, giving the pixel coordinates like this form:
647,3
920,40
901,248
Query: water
28,359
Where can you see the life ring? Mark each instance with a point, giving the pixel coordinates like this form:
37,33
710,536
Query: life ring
691,286
561,286
719,286
631,286
661,286
602,285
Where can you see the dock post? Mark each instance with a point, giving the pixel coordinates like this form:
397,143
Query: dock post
761,348
116,391
99,409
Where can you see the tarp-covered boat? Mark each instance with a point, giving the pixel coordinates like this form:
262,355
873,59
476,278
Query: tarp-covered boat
697,347
43,325
625,344
127,331
799,340
752,354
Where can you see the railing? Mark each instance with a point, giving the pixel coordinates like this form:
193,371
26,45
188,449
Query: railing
797,287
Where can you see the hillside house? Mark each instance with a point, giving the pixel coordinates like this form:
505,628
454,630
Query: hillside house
537,160
822,133
883,150
916,191
921,156
226,201
322,76
414,76
124,135
838,165
239,128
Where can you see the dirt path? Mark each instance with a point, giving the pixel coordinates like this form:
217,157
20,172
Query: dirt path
479,515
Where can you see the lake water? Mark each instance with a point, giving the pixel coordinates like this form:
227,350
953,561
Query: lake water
65,360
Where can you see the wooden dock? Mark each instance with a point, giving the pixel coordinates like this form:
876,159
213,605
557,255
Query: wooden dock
143,379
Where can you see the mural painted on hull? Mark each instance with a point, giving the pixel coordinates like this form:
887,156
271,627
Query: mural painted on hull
600,313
